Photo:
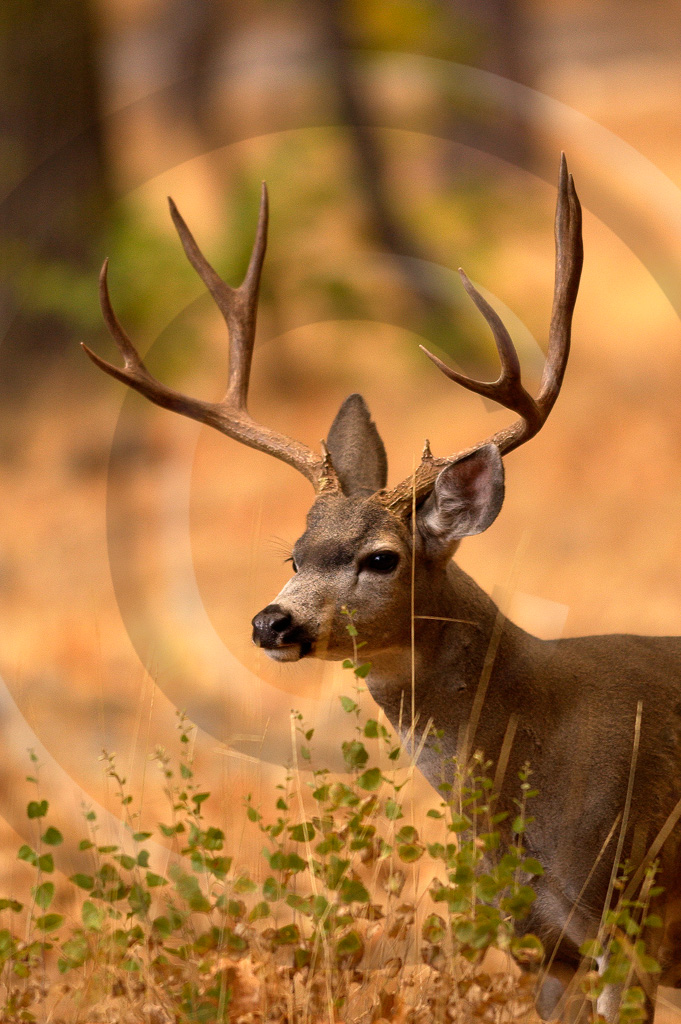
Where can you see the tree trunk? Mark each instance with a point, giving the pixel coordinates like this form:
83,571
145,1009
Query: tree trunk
52,174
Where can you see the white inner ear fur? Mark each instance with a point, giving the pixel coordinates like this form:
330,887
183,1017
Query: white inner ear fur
466,497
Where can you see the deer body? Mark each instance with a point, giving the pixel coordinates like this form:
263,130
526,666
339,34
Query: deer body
574,700
570,708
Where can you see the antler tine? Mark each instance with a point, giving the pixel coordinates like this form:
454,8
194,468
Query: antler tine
508,390
510,364
569,260
238,307
135,374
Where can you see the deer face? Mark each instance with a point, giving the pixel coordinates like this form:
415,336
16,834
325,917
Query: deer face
353,555
356,554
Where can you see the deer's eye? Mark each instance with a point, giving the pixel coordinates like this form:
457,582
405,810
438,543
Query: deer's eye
381,561
293,563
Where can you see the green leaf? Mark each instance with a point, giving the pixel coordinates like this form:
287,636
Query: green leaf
50,922
44,894
287,935
235,908
304,832
235,942
143,858
520,901
126,861
393,811
141,837
300,903
464,931
83,881
170,830
188,888
332,844
270,890
12,905
259,911
527,949
592,949
409,852
342,795
349,945
348,703
76,951
363,670
301,958
352,891
407,834
295,863
244,884
153,881
46,863
532,866
37,809
459,823
355,753
85,844
370,779
26,853
219,866
434,929
162,926
139,900
374,731
319,905
93,917
53,837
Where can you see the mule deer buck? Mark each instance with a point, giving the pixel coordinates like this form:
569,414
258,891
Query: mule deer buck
438,645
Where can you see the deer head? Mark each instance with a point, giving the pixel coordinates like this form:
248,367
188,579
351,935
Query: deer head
378,551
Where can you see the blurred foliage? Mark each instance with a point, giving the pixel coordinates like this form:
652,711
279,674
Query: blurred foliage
340,924
434,27
340,248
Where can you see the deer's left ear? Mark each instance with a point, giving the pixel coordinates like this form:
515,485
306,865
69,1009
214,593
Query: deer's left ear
465,499
356,449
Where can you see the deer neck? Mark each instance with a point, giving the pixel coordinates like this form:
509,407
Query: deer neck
462,642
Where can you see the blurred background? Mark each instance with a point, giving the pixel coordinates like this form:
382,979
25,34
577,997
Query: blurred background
399,140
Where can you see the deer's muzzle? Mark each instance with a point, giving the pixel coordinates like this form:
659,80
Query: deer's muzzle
275,631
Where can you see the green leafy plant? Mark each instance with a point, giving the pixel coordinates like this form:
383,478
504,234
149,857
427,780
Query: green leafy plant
357,913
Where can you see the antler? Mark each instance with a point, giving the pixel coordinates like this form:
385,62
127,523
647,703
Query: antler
508,389
239,308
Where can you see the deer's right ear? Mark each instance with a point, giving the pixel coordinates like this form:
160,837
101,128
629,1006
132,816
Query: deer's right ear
356,450
465,499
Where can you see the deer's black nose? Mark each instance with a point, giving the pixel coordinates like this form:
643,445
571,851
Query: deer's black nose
271,625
